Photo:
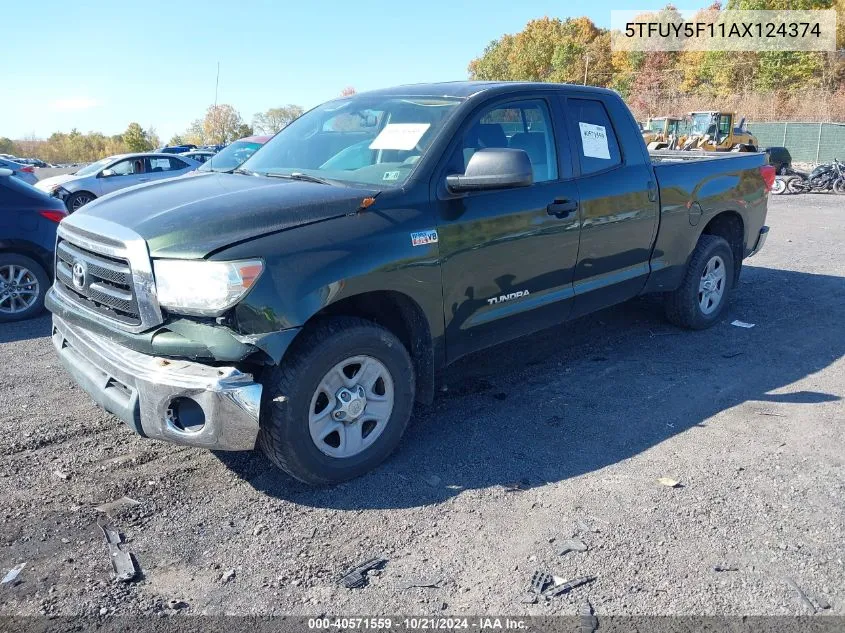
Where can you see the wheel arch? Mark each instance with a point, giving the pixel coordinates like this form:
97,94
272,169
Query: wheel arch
401,315
730,226
31,250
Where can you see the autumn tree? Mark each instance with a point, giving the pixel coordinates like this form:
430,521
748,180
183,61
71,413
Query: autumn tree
275,119
221,124
548,49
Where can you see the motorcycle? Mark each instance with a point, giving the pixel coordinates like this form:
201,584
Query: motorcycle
827,177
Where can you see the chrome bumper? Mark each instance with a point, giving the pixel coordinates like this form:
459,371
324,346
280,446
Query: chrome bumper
140,389
761,240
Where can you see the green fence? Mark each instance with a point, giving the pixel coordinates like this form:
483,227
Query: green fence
807,142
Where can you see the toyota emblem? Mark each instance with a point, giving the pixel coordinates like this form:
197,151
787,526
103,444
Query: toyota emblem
79,274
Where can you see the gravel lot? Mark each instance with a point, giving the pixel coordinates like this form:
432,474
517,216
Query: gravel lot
587,416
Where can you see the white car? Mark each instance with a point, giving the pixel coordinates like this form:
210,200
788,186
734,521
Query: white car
113,173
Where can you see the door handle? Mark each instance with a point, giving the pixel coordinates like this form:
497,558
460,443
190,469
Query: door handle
560,208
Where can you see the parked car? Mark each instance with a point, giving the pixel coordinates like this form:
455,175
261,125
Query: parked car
114,173
779,158
19,170
234,154
199,155
28,221
175,149
306,308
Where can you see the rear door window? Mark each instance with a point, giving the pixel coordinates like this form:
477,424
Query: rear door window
598,147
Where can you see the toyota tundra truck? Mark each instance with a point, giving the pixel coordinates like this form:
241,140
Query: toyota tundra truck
301,303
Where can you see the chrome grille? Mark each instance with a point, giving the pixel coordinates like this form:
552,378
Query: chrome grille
107,286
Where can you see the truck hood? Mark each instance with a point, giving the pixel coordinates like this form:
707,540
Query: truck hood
191,217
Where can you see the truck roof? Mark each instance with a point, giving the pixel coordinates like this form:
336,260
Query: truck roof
470,88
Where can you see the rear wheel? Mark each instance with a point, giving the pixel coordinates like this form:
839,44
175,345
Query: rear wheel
700,300
23,283
779,186
339,403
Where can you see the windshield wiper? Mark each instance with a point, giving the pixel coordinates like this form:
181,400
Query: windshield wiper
298,175
241,170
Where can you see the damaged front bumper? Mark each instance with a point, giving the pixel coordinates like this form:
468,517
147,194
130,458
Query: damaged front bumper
177,401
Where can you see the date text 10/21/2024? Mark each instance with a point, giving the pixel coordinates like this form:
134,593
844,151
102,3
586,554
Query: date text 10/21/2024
417,624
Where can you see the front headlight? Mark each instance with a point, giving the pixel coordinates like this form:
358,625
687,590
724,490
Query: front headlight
203,288
57,191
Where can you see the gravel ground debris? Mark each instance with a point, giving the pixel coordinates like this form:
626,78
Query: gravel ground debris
594,413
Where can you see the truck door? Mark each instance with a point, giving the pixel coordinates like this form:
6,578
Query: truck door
619,208
508,255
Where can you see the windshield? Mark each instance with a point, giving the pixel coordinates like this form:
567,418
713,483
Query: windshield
655,125
702,123
93,168
366,140
230,157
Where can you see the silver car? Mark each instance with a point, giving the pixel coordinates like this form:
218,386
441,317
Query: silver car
19,170
114,173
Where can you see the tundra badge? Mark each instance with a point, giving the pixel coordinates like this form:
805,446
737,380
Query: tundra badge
508,297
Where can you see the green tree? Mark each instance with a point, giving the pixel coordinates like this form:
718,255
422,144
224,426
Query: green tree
176,140
275,119
195,133
136,139
152,137
245,130
7,146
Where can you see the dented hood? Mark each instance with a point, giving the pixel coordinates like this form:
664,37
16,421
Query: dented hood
192,216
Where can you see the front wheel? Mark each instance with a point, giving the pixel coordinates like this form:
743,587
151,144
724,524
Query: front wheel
339,403
839,186
78,200
779,186
700,300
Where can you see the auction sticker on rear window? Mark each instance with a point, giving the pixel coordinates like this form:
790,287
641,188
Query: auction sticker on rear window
421,238
594,140
402,136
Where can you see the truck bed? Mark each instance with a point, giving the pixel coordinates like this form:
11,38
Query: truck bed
677,155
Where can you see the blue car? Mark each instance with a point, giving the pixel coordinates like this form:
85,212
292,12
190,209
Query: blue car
175,149
28,223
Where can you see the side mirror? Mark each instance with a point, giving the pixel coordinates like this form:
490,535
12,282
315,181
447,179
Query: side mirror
106,173
494,168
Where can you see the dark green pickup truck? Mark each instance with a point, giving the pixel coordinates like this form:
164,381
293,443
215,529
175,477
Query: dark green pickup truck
301,303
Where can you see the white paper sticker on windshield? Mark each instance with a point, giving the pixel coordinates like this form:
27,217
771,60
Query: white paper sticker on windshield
594,140
402,136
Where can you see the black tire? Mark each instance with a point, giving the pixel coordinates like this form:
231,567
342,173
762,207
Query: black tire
78,200
794,185
682,305
14,259
284,436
